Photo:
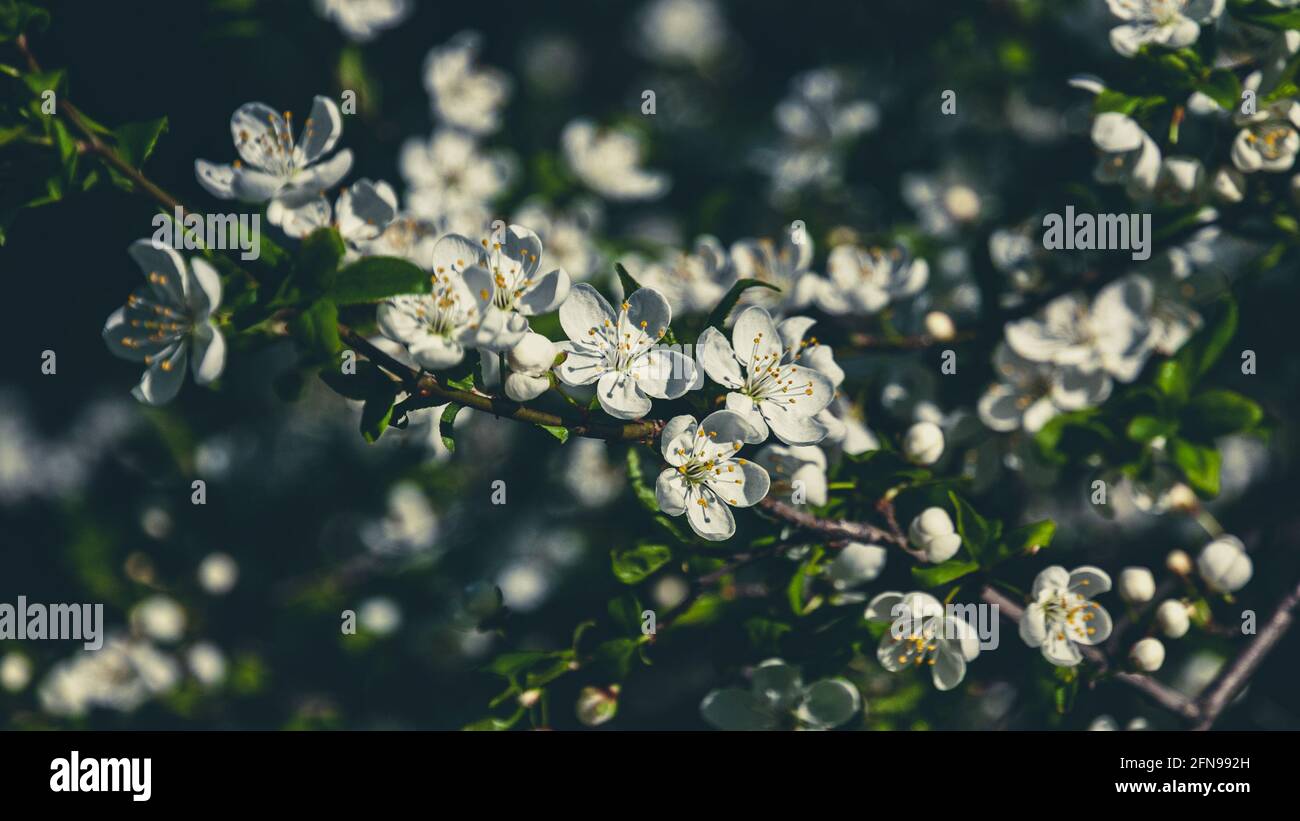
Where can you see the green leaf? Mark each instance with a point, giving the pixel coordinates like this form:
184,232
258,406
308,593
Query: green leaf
1199,463
1216,412
1172,380
640,486
509,665
975,530
136,141
17,18
1223,87
630,285
718,317
1037,534
941,574
38,82
614,657
366,382
316,329
1072,436
797,587
633,566
373,279
1204,349
445,423
317,262
376,416
558,431
1144,428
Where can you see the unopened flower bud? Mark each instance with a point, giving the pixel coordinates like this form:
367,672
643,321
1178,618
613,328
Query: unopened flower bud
857,564
1172,619
1136,585
521,387
1181,498
940,326
532,356
529,697
923,443
1224,565
934,534
597,705
1179,563
1147,655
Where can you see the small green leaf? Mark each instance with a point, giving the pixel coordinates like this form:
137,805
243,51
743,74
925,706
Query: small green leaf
373,279
975,530
136,141
1204,349
633,566
614,657
719,314
317,262
376,415
1199,463
1145,428
1037,534
1214,413
941,574
630,285
316,330
1172,380
558,431
1223,87
640,485
445,423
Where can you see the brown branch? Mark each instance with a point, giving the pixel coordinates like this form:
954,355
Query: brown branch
1235,675
93,144
1160,693
834,528
426,391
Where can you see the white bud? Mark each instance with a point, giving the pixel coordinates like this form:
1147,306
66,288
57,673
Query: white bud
1138,724
1182,498
218,573
940,326
1147,655
923,443
1136,585
934,534
857,564
1179,563
15,672
159,617
533,356
1224,565
597,705
1103,724
1172,619
529,697
522,387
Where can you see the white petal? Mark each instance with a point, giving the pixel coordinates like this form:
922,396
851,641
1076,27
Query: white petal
217,180
322,129
209,357
755,338
664,374
621,397
582,365
583,310
545,294
162,380
717,358
711,520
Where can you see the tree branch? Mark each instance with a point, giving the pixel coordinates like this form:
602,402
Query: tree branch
1235,675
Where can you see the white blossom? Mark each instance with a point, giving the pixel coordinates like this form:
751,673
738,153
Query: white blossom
463,94
766,387
620,352
530,365
1061,613
706,478
1169,23
923,443
777,697
1029,394
1136,585
865,280
922,633
168,324
437,327
362,20
798,473
1128,155
608,161
361,214
272,165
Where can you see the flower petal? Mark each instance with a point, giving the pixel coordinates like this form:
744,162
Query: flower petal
322,129
664,374
670,492
582,365
162,380
710,518
621,397
718,359
209,357
584,310
677,439
755,339
545,294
